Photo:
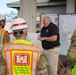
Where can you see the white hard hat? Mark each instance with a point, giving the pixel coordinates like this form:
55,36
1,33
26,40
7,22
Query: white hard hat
2,17
19,23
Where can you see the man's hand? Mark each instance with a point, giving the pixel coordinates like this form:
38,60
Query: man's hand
40,38
50,38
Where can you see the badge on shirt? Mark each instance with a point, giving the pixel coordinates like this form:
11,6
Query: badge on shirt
47,30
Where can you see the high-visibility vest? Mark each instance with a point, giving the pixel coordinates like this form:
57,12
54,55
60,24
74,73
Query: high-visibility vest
4,37
21,57
74,70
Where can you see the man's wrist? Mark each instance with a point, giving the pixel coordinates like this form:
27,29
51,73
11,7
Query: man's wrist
43,38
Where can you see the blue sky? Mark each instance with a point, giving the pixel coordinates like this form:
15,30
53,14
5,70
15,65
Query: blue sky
3,6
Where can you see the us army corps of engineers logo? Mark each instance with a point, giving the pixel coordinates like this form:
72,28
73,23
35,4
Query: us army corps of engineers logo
21,59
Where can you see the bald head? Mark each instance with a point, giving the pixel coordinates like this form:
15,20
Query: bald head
46,21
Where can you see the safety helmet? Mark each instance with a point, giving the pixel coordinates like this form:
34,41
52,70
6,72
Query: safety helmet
19,23
2,17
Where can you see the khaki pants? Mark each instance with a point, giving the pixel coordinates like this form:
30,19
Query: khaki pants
52,56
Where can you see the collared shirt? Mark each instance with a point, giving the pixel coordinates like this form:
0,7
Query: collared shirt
51,30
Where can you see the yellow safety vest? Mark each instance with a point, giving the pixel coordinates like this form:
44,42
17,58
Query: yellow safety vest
74,70
21,57
4,37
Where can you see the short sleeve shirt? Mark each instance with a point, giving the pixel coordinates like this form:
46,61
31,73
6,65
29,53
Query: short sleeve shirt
51,30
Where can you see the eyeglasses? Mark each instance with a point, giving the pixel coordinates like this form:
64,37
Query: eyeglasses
19,32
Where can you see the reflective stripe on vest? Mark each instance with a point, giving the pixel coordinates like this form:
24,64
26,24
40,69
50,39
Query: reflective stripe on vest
2,33
21,59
